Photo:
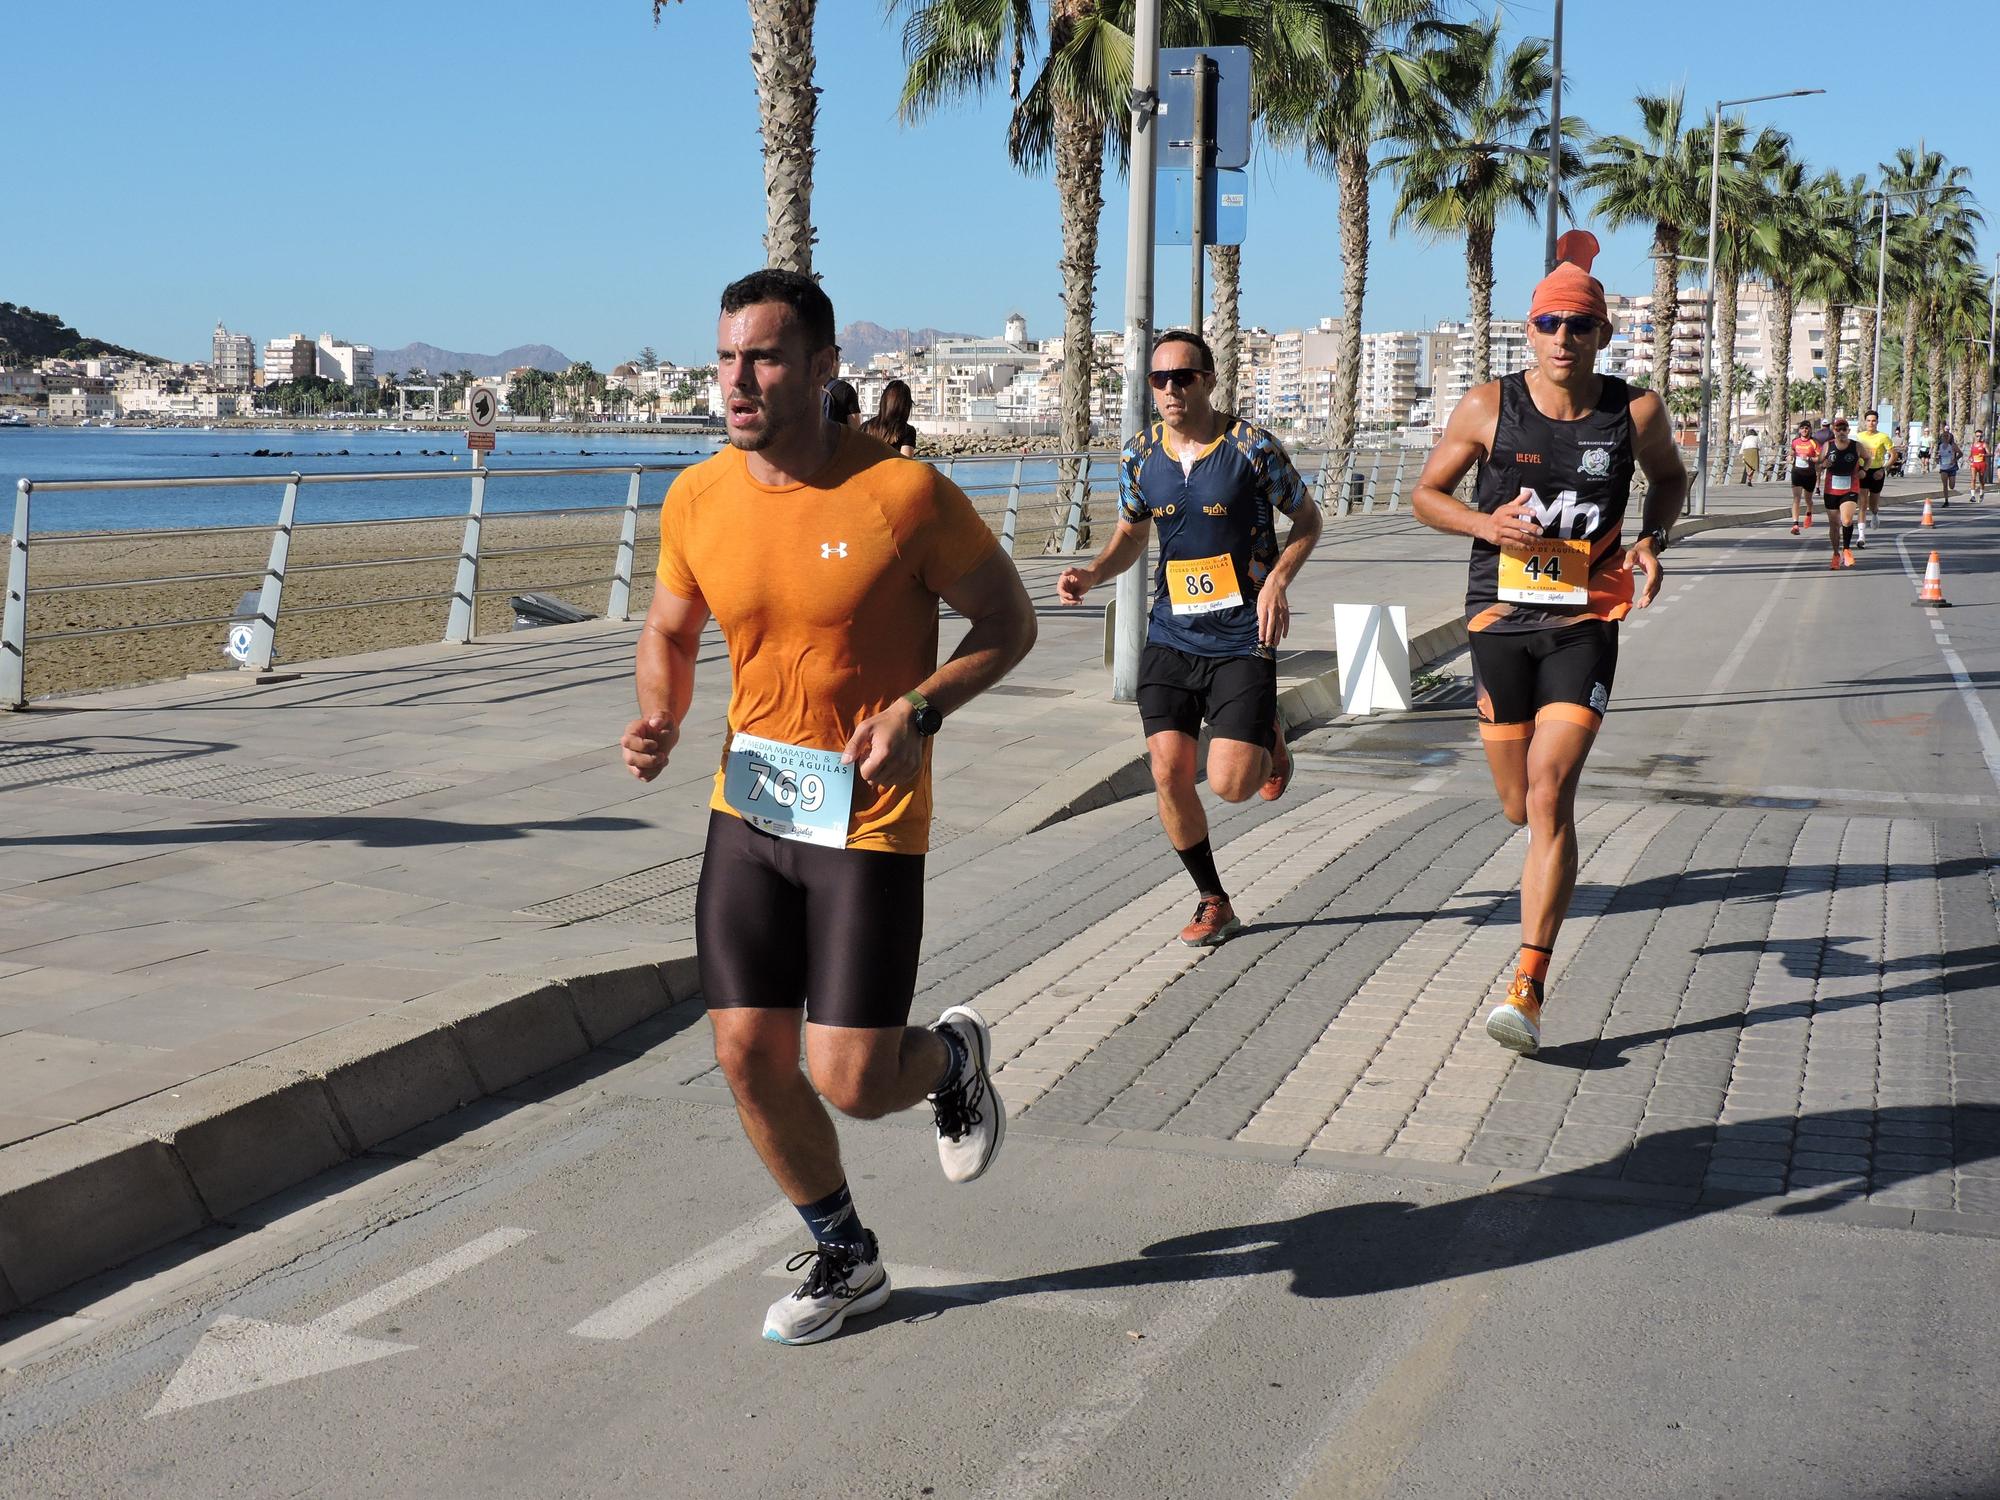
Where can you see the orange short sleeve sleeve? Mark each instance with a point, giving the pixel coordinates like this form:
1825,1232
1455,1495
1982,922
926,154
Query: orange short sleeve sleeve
673,572
949,540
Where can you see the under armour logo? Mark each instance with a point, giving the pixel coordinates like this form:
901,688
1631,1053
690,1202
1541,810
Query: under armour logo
832,549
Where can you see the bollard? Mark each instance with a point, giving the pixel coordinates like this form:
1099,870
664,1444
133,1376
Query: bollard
264,629
620,605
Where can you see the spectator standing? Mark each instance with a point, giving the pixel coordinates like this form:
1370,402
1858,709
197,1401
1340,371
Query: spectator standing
891,422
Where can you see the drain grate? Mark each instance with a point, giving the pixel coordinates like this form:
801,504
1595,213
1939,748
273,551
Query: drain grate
202,776
660,893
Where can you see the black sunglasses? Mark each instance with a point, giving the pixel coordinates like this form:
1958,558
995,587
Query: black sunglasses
1161,379
1579,323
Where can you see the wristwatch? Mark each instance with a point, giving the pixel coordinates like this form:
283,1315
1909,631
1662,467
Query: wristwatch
929,720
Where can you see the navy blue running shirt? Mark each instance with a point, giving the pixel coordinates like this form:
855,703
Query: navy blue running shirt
1218,533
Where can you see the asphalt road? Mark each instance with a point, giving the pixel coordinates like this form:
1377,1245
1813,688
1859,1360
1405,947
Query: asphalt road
560,1294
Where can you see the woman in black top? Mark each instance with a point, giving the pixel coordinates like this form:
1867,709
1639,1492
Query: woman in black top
891,423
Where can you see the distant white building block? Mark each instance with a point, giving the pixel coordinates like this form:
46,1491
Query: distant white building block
1373,643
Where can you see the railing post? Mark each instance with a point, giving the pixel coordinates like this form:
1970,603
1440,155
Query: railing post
1076,498
620,605
264,630
1396,484
1374,482
465,589
1013,512
14,624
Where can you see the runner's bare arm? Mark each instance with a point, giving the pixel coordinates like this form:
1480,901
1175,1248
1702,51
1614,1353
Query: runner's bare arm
886,748
1659,460
1127,545
665,671
1468,438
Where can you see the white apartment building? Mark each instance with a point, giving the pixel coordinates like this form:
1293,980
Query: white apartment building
349,364
81,406
235,361
292,357
1393,375
1451,375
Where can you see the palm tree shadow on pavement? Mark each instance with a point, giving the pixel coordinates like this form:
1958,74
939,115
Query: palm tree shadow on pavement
1357,1249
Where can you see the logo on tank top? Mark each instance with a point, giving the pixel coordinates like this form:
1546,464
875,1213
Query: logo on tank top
832,549
1565,515
1595,462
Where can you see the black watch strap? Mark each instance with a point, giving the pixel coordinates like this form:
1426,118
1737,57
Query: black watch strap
928,721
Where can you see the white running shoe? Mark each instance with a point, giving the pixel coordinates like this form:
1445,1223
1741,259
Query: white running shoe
971,1120
844,1279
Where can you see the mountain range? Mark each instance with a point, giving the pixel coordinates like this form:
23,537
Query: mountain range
442,361
861,342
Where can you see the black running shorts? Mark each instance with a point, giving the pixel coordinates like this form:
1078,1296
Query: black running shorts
1238,695
1802,479
781,924
1871,480
1522,677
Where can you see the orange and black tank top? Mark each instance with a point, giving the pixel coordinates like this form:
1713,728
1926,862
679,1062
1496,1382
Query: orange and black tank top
1581,476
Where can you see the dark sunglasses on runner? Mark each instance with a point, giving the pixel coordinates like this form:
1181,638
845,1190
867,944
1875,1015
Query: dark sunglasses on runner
1577,323
1161,379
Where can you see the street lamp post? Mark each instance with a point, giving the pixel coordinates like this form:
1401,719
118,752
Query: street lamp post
1708,323
1555,144
1129,609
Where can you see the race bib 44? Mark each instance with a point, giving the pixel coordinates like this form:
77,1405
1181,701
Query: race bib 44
1549,570
1202,585
788,790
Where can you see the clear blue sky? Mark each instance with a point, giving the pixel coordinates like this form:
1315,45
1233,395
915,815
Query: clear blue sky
482,176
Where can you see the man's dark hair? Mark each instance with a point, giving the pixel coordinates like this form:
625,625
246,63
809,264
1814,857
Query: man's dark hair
812,307
1183,336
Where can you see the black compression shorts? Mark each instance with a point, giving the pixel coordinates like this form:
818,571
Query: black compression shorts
780,924
1871,480
1522,677
1238,695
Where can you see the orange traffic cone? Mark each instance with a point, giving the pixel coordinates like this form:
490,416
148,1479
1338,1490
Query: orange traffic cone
1928,521
1933,590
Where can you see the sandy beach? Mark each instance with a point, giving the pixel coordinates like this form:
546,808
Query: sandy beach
75,584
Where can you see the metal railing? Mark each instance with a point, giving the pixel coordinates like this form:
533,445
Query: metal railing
1342,483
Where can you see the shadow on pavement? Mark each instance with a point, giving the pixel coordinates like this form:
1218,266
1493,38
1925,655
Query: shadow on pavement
368,833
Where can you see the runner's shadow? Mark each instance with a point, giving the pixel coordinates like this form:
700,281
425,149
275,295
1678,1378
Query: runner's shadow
1355,1250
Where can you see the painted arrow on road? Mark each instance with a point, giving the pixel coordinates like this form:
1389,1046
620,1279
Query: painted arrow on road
238,1355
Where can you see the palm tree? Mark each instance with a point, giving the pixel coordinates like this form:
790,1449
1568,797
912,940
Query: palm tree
1448,187
781,57
1781,251
1824,245
1656,178
1742,201
1932,230
1379,86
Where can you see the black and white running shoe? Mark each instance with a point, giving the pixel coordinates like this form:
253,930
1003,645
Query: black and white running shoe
844,1279
971,1120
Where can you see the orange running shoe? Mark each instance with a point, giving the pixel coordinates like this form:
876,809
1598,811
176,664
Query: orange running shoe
1214,923
1281,768
1847,557
1834,565
1516,1022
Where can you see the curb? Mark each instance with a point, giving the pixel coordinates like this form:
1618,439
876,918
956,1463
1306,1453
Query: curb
90,1196
1116,772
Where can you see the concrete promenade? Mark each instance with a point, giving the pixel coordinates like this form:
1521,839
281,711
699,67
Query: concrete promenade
210,891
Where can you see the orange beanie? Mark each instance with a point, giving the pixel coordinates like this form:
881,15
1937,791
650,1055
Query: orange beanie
1570,288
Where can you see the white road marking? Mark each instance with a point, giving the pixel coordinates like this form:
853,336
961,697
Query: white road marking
238,1355
972,1286
1048,1461
1982,722
650,1301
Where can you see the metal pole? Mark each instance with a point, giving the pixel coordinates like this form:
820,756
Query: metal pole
1992,311
1881,279
459,623
264,631
1013,511
1555,144
14,622
1198,148
1708,319
1129,603
620,605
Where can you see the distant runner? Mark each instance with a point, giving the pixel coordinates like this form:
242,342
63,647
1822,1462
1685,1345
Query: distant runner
1805,474
1947,462
1556,448
1216,485
1876,448
823,556
1844,465
1980,458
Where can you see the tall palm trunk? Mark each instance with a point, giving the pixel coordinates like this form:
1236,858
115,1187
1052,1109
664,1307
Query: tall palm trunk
1080,185
1225,269
1479,297
1836,325
781,56
1906,388
1721,452
1934,398
1666,303
1779,418
1350,178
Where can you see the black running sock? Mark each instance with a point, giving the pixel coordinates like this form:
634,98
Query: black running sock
1200,863
833,1221
1846,535
954,1049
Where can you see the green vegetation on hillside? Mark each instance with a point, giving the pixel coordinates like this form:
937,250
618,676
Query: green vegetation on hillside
27,335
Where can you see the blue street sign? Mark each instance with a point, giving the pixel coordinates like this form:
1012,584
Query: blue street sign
1228,106
1228,208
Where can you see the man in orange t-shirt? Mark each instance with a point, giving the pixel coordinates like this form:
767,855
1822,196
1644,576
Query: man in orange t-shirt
823,557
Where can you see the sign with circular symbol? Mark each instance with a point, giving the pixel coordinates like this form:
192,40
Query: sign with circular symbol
240,637
482,407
